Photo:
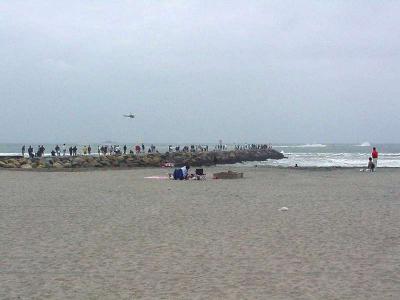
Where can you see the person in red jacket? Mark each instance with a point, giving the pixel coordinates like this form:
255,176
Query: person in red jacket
374,155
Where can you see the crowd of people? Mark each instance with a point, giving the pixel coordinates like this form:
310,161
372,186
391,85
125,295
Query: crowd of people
253,147
87,150
112,150
108,149
191,148
32,153
57,151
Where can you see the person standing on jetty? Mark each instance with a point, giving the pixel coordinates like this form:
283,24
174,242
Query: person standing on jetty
40,151
23,150
64,149
30,151
57,150
374,155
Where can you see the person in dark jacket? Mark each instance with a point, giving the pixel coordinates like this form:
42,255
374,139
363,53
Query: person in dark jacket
371,165
182,173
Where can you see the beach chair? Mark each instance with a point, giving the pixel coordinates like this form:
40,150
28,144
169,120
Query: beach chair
200,174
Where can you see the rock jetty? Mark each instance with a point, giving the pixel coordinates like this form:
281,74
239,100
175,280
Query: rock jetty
146,160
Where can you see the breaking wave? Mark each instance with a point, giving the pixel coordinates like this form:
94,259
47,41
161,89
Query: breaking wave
301,146
343,160
365,144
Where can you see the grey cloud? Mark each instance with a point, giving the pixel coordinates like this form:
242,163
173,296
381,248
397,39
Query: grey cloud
273,71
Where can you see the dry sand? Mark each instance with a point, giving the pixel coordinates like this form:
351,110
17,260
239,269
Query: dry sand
115,235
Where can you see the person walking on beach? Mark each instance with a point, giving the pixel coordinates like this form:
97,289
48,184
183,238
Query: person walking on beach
374,155
23,150
371,165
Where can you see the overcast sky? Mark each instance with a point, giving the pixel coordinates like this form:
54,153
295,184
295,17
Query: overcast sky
200,71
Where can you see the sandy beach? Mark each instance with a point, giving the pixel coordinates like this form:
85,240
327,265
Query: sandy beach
116,235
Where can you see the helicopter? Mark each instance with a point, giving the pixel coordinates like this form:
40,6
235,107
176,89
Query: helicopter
131,116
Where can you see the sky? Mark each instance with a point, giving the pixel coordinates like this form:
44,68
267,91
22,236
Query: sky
200,71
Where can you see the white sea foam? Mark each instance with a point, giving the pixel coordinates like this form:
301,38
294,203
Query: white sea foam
19,154
389,154
312,146
301,146
343,160
365,144
10,154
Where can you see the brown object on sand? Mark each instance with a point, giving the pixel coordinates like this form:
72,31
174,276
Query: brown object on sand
227,175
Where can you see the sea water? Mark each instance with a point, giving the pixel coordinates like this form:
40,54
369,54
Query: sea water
304,155
335,155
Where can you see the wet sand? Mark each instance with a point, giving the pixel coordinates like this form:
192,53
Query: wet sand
115,235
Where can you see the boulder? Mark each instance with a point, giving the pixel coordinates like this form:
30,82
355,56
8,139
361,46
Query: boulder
7,165
104,163
152,160
13,163
95,164
67,165
121,158
23,161
58,165
26,166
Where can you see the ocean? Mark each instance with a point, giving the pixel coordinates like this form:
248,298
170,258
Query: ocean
335,155
304,155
